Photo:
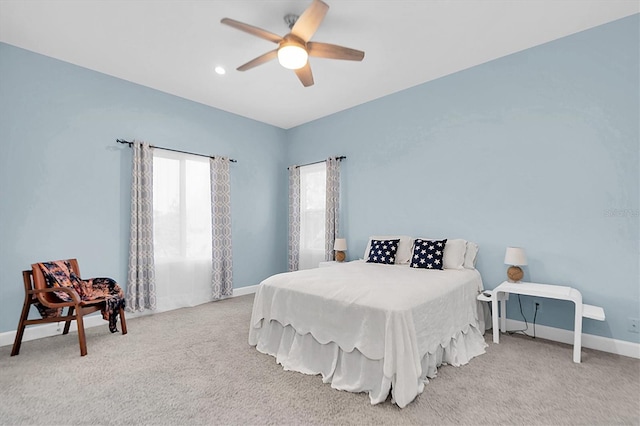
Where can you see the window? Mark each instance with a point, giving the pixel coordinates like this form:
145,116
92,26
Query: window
182,229
312,214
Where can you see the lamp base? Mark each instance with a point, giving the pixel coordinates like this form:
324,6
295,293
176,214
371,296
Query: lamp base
340,256
515,274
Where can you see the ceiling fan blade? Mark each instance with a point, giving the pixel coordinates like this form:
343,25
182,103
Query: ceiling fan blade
308,23
333,51
258,32
305,75
259,60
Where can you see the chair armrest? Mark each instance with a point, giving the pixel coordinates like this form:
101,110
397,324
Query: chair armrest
75,299
93,302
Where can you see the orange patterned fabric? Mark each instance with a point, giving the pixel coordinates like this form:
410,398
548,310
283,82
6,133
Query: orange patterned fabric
60,274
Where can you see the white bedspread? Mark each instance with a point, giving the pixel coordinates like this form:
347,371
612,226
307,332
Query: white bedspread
391,313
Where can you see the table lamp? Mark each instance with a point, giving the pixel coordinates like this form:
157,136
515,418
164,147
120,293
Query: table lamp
340,246
516,257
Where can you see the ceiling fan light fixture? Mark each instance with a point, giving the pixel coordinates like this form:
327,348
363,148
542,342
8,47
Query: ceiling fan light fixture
292,56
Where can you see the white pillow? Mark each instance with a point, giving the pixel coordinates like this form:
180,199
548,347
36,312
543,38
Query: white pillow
470,255
404,247
454,251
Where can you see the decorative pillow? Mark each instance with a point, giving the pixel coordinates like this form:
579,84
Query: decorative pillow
405,246
428,254
383,251
470,255
454,253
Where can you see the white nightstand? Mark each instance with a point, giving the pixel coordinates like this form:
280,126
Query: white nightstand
328,263
485,298
582,310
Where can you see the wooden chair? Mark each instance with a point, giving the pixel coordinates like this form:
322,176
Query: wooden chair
36,291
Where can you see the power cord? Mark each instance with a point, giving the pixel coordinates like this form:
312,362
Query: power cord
526,324
535,314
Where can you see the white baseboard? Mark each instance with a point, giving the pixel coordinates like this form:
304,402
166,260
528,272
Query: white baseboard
245,290
52,329
605,344
591,341
46,330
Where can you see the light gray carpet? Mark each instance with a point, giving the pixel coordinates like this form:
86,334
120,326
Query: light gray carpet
194,366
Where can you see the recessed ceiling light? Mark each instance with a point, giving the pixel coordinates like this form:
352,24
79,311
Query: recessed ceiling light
220,70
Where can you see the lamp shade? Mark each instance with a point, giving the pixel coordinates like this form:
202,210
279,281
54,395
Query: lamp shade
515,256
340,244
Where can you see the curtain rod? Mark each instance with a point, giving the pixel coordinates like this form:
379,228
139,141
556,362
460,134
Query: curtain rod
342,157
173,150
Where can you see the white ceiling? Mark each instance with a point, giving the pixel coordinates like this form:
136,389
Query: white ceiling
174,45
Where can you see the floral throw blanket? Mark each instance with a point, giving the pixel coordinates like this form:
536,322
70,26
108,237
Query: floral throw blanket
60,274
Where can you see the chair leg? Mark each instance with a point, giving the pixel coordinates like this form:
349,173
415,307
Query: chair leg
123,321
67,323
81,337
21,326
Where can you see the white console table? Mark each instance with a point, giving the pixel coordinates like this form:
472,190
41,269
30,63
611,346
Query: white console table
500,294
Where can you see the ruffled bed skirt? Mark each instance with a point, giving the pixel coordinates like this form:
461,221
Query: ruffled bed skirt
352,371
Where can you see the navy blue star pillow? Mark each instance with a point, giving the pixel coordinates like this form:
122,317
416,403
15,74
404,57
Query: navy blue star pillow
428,254
383,251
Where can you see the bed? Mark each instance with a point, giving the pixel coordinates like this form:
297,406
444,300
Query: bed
370,327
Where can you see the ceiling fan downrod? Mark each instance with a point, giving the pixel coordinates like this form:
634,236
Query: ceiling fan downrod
290,19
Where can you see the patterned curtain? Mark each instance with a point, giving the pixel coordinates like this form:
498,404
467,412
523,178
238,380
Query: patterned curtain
333,206
222,273
294,218
141,286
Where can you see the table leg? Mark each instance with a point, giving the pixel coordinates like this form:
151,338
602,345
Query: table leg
494,317
503,314
577,334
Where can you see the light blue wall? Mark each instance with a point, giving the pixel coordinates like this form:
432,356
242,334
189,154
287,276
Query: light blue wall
539,149
65,182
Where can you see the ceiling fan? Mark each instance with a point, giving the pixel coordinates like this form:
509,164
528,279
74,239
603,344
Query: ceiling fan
295,48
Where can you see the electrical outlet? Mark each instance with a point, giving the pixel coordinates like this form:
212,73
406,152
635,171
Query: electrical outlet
634,325
537,302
